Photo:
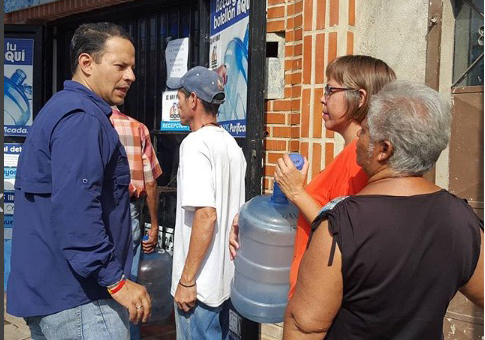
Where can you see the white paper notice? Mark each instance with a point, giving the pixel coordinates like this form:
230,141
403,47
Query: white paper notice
177,56
10,160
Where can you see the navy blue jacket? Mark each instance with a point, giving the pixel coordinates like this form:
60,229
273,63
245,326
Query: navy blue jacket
72,230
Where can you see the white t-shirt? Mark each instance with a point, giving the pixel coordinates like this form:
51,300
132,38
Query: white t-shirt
211,174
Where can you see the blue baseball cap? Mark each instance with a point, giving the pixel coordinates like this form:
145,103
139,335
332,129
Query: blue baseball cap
206,84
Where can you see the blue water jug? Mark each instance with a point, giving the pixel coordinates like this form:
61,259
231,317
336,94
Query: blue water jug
155,274
267,226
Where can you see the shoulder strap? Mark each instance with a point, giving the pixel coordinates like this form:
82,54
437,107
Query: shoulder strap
322,215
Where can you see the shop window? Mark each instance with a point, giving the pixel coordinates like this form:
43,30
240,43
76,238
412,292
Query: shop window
468,58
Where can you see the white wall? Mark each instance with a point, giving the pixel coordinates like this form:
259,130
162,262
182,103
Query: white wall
394,31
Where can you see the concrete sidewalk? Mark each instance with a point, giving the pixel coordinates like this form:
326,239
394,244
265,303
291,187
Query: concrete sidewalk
14,328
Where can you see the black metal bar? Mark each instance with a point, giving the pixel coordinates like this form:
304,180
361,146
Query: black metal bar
146,21
158,85
253,143
474,7
255,117
204,32
48,65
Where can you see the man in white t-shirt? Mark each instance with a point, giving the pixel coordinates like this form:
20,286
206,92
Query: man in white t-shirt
210,191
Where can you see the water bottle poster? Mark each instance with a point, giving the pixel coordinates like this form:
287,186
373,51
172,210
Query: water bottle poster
228,56
17,82
170,113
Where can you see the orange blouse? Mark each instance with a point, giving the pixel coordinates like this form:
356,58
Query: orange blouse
340,178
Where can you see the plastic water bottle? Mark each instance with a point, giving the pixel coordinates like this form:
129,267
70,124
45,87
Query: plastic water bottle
16,99
155,274
267,226
236,61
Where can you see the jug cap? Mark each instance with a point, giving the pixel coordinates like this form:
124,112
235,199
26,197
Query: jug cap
297,160
278,196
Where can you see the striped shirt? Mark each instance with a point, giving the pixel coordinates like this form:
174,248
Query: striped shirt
134,136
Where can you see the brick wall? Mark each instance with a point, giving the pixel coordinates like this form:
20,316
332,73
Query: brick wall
316,32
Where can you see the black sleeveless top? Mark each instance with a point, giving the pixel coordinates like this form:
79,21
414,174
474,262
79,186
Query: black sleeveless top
403,260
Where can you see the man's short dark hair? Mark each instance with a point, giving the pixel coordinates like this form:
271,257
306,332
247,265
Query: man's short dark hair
208,107
90,38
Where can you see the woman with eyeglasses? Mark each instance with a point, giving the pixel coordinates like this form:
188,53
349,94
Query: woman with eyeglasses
385,263
351,82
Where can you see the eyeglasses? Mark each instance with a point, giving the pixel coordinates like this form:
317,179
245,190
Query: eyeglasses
329,90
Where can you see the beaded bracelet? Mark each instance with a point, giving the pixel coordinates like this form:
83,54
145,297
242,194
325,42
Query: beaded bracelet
117,286
187,286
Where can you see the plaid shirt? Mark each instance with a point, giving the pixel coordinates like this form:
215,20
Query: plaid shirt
134,136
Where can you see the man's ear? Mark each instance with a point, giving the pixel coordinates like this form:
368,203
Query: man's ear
385,151
362,97
193,100
85,62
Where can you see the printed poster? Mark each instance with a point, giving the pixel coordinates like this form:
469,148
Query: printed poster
176,57
228,55
170,113
17,82
11,153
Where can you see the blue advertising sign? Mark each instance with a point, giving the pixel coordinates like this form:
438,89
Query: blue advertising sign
229,43
11,153
225,13
17,82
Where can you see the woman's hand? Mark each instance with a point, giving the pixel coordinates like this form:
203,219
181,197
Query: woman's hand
289,178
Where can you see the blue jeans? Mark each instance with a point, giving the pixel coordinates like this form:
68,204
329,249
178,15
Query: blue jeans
136,233
203,322
101,319
135,330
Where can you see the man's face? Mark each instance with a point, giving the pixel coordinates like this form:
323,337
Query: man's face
184,109
112,75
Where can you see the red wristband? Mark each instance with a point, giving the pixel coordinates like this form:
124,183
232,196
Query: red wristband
116,288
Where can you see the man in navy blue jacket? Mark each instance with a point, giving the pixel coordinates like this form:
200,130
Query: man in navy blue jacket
72,247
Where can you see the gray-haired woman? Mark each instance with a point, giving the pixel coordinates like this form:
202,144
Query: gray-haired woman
384,264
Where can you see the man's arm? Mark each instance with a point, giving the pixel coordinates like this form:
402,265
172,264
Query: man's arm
151,171
152,203
200,239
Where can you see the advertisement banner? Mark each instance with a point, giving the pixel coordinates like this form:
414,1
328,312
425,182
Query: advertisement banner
11,153
170,113
228,56
17,82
